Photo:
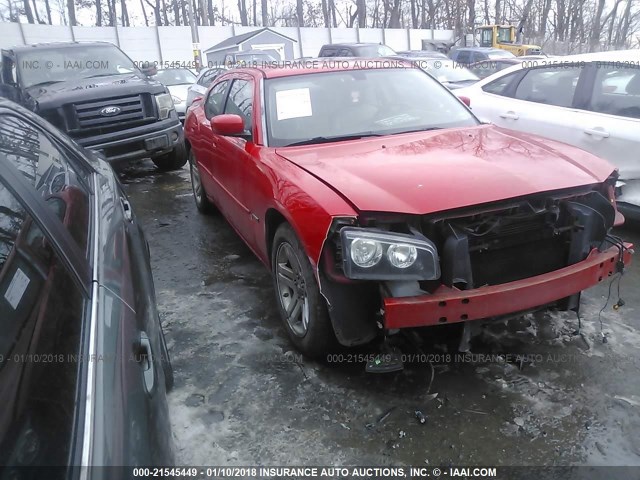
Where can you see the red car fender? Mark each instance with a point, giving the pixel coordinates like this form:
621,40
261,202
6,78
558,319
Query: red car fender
307,204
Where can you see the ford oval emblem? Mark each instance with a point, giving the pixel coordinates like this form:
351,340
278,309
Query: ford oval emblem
110,111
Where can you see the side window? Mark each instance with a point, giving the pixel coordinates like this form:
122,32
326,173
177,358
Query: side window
49,170
551,85
500,85
241,101
206,78
42,312
215,101
329,52
486,38
616,91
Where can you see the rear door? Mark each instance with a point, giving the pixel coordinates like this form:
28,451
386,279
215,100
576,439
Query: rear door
609,124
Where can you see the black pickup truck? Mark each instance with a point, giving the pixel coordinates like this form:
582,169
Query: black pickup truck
97,95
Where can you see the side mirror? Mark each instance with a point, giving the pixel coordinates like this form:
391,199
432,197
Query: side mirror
227,124
149,70
465,100
197,99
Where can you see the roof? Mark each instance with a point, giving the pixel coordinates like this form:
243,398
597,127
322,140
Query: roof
329,64
238,39
480,49
51,45
621,57
630,56
352,44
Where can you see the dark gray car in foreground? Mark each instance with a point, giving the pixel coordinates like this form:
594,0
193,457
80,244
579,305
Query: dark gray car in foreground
84,367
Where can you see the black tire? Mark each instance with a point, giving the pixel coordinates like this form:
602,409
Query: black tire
199,194
316,338
174,160
165,359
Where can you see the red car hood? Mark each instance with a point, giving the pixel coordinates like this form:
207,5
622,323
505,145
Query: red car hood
428,172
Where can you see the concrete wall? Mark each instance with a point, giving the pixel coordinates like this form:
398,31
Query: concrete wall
169,44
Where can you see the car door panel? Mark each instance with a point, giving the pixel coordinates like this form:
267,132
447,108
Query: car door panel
234,157
204,143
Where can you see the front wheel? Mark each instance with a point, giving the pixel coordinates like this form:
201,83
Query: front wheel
173,160
302,308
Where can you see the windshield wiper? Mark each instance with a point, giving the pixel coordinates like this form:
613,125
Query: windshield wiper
339,138
48,82
104,75
427,129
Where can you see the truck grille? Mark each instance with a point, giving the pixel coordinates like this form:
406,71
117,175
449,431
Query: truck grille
91,120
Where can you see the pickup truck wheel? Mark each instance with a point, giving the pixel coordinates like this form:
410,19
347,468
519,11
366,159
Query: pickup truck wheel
302,308
173,160
199,195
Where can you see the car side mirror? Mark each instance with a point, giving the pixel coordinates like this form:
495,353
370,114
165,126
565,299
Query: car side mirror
149,70
465,100
228,124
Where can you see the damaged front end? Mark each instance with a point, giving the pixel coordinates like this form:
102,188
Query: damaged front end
469,264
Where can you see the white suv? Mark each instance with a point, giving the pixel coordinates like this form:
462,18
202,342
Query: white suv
591,101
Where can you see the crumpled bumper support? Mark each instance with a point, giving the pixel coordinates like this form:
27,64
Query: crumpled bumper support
449,305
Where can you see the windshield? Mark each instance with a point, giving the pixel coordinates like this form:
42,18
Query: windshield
175,76
448,71
358,102
254,58
500,54
375,51
51,65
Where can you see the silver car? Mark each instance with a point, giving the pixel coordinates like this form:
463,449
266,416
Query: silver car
178,81
199,88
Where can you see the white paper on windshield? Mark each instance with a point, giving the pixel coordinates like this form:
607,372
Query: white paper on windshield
293,103
16,289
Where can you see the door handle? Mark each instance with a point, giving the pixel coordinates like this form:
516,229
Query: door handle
145,358
126,209
597,132
510,115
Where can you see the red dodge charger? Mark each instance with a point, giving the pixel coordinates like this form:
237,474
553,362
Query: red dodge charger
379,202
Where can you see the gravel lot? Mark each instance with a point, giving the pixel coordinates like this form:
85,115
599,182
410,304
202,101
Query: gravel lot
243,396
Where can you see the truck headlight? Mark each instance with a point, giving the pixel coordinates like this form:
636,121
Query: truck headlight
176,99
165,105
371,254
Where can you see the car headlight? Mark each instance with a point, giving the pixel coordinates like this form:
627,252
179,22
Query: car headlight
380,255
176,99
165,105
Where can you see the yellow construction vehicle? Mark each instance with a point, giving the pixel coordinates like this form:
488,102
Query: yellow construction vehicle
504,37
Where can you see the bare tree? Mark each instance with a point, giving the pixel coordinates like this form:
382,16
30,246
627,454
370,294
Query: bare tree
300,13
124,14
244,17
204,12
71,7
27,11
47,7
144,13
156,10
